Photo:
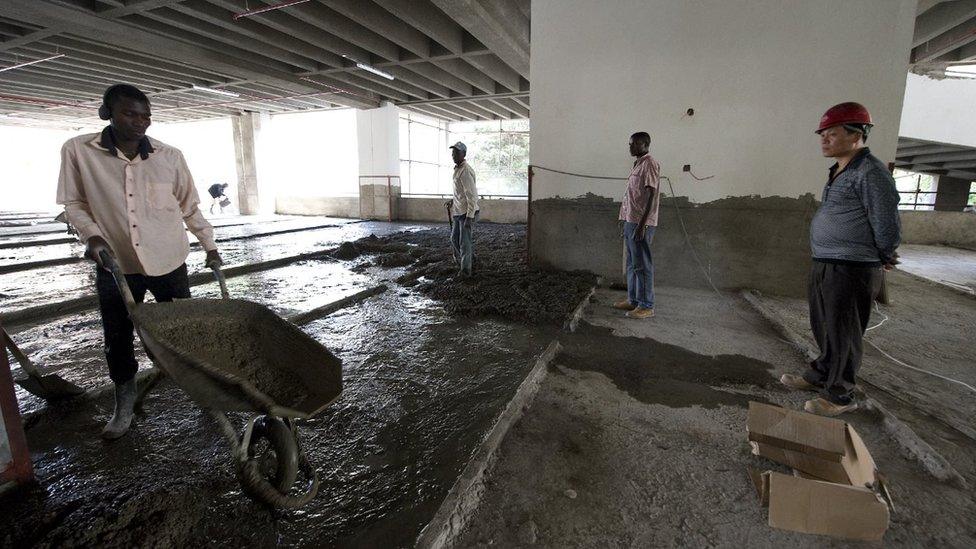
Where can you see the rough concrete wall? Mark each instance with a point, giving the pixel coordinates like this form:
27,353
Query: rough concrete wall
432,209
754,73
939,228
744,242
333,206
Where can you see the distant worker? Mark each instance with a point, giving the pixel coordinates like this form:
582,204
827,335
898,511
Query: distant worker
129,195
638,211
464,210
218,200
853,236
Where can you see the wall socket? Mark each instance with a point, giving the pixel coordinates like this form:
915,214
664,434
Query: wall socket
686,168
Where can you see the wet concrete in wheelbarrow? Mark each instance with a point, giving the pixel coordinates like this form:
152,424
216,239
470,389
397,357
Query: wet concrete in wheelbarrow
422,387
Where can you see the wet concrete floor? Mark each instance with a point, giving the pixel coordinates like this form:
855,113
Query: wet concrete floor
422,386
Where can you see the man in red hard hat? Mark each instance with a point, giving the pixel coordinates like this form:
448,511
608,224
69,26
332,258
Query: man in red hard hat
853,236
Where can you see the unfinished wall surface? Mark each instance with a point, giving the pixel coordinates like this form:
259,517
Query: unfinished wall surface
432,209
939,110
956,229
755,74
332,206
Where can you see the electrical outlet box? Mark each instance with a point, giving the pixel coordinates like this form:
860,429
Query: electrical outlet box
686,168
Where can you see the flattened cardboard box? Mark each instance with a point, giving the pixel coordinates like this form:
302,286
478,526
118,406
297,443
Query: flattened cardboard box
836,489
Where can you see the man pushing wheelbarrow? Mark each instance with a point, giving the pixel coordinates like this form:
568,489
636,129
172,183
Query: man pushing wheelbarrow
130,195
133,230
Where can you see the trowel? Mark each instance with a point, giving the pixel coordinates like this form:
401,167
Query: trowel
48,387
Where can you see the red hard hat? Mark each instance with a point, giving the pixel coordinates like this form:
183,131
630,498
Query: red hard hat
845,113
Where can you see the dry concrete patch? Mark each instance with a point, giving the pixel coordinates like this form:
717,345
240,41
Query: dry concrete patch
913,445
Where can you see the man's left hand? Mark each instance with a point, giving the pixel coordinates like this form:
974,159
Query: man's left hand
640,232
213,260
890,264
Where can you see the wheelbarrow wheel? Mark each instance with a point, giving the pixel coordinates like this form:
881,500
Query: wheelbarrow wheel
273,451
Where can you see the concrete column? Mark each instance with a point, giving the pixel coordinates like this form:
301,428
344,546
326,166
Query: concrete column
951,194
247,128
378,133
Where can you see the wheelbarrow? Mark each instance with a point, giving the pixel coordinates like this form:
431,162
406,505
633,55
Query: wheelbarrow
234,355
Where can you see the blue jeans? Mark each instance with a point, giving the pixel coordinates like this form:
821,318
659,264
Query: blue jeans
462,242
640,266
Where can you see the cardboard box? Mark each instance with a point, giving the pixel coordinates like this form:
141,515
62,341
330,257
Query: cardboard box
835,490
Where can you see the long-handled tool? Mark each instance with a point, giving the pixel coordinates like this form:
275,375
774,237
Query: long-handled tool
49,386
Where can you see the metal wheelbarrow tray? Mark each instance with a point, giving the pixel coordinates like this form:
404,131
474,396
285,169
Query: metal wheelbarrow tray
233,355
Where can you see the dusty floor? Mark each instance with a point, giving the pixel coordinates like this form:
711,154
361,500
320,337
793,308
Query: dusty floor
953,266
422,386
637,439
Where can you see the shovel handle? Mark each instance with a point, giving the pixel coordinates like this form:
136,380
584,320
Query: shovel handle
25,364
109,263
219,275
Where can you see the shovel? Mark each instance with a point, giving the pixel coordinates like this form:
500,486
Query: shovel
48,387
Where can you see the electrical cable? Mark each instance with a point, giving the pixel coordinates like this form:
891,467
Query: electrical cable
694,253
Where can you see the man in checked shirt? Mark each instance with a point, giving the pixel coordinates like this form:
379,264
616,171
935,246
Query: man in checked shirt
853,237
130,196
638,211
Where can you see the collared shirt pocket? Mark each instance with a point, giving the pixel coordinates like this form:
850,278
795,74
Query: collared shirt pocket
161,197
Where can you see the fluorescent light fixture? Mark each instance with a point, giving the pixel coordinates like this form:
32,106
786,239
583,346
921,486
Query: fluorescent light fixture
216,91
36,61
964,71
272,7
375,71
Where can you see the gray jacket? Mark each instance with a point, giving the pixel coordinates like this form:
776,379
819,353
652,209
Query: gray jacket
858,218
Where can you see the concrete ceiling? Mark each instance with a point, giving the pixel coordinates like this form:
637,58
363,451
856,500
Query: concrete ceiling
945,34
454,59
936,158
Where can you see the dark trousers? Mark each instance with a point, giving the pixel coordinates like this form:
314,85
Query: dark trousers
119,351
840,306
462,241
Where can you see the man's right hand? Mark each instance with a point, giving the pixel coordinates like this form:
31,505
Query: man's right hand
95,246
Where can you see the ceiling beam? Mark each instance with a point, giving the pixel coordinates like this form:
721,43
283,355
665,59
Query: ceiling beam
426,18
497,70
361,41
942,18
443,77
946,42
496,24
252,30
370,15
518,110
84,23
467,73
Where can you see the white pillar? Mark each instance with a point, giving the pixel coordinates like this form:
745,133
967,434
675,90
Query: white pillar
378,132
247,130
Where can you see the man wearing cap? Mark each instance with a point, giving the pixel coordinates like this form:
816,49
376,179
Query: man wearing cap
129,196
853,237
464,209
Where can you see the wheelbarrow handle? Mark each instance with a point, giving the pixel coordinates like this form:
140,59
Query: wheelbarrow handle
109,263
219,275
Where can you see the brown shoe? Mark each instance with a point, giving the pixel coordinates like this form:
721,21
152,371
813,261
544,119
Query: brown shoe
797,383
824,407
641,312
624,305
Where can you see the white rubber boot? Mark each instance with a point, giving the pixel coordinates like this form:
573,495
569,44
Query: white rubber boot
125,401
